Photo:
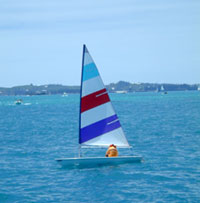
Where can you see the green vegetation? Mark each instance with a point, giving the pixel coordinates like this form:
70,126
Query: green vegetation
39,90
121,86
148,87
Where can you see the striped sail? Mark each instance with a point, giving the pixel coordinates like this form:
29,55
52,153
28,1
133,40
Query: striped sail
99,124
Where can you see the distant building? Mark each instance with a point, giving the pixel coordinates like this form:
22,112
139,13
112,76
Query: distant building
121,92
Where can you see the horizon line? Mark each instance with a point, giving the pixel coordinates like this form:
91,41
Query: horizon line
137,83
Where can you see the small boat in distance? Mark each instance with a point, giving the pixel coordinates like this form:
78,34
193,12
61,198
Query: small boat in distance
18,102
99,125
64,94
162,89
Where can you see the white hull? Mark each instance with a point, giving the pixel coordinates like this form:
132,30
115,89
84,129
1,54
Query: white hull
97,161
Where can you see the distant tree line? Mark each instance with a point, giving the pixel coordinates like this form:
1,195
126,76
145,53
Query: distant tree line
149,87
113,87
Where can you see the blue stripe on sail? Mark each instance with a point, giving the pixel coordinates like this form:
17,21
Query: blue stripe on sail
90,71
99,128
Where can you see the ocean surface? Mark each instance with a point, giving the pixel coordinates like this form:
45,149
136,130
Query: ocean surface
163,129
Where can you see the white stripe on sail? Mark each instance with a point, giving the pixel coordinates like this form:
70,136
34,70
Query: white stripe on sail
96,114
116,137
92,85
87,59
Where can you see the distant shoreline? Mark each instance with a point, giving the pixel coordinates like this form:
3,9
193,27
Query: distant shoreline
119,87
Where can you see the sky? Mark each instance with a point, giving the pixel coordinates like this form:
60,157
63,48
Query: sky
153,41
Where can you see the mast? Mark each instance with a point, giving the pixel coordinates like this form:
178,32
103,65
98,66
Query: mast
81,95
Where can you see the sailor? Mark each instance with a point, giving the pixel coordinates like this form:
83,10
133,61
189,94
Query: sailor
112,151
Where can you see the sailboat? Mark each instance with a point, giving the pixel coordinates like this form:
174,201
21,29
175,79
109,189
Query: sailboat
99,125
163,90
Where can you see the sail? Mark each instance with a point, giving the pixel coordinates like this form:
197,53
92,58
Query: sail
99,124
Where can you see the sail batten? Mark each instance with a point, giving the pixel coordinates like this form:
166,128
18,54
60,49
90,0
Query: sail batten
99,124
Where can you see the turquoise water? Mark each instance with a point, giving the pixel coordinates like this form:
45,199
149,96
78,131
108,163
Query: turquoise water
164,129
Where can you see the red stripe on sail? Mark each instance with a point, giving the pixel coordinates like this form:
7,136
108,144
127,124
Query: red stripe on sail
95,99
